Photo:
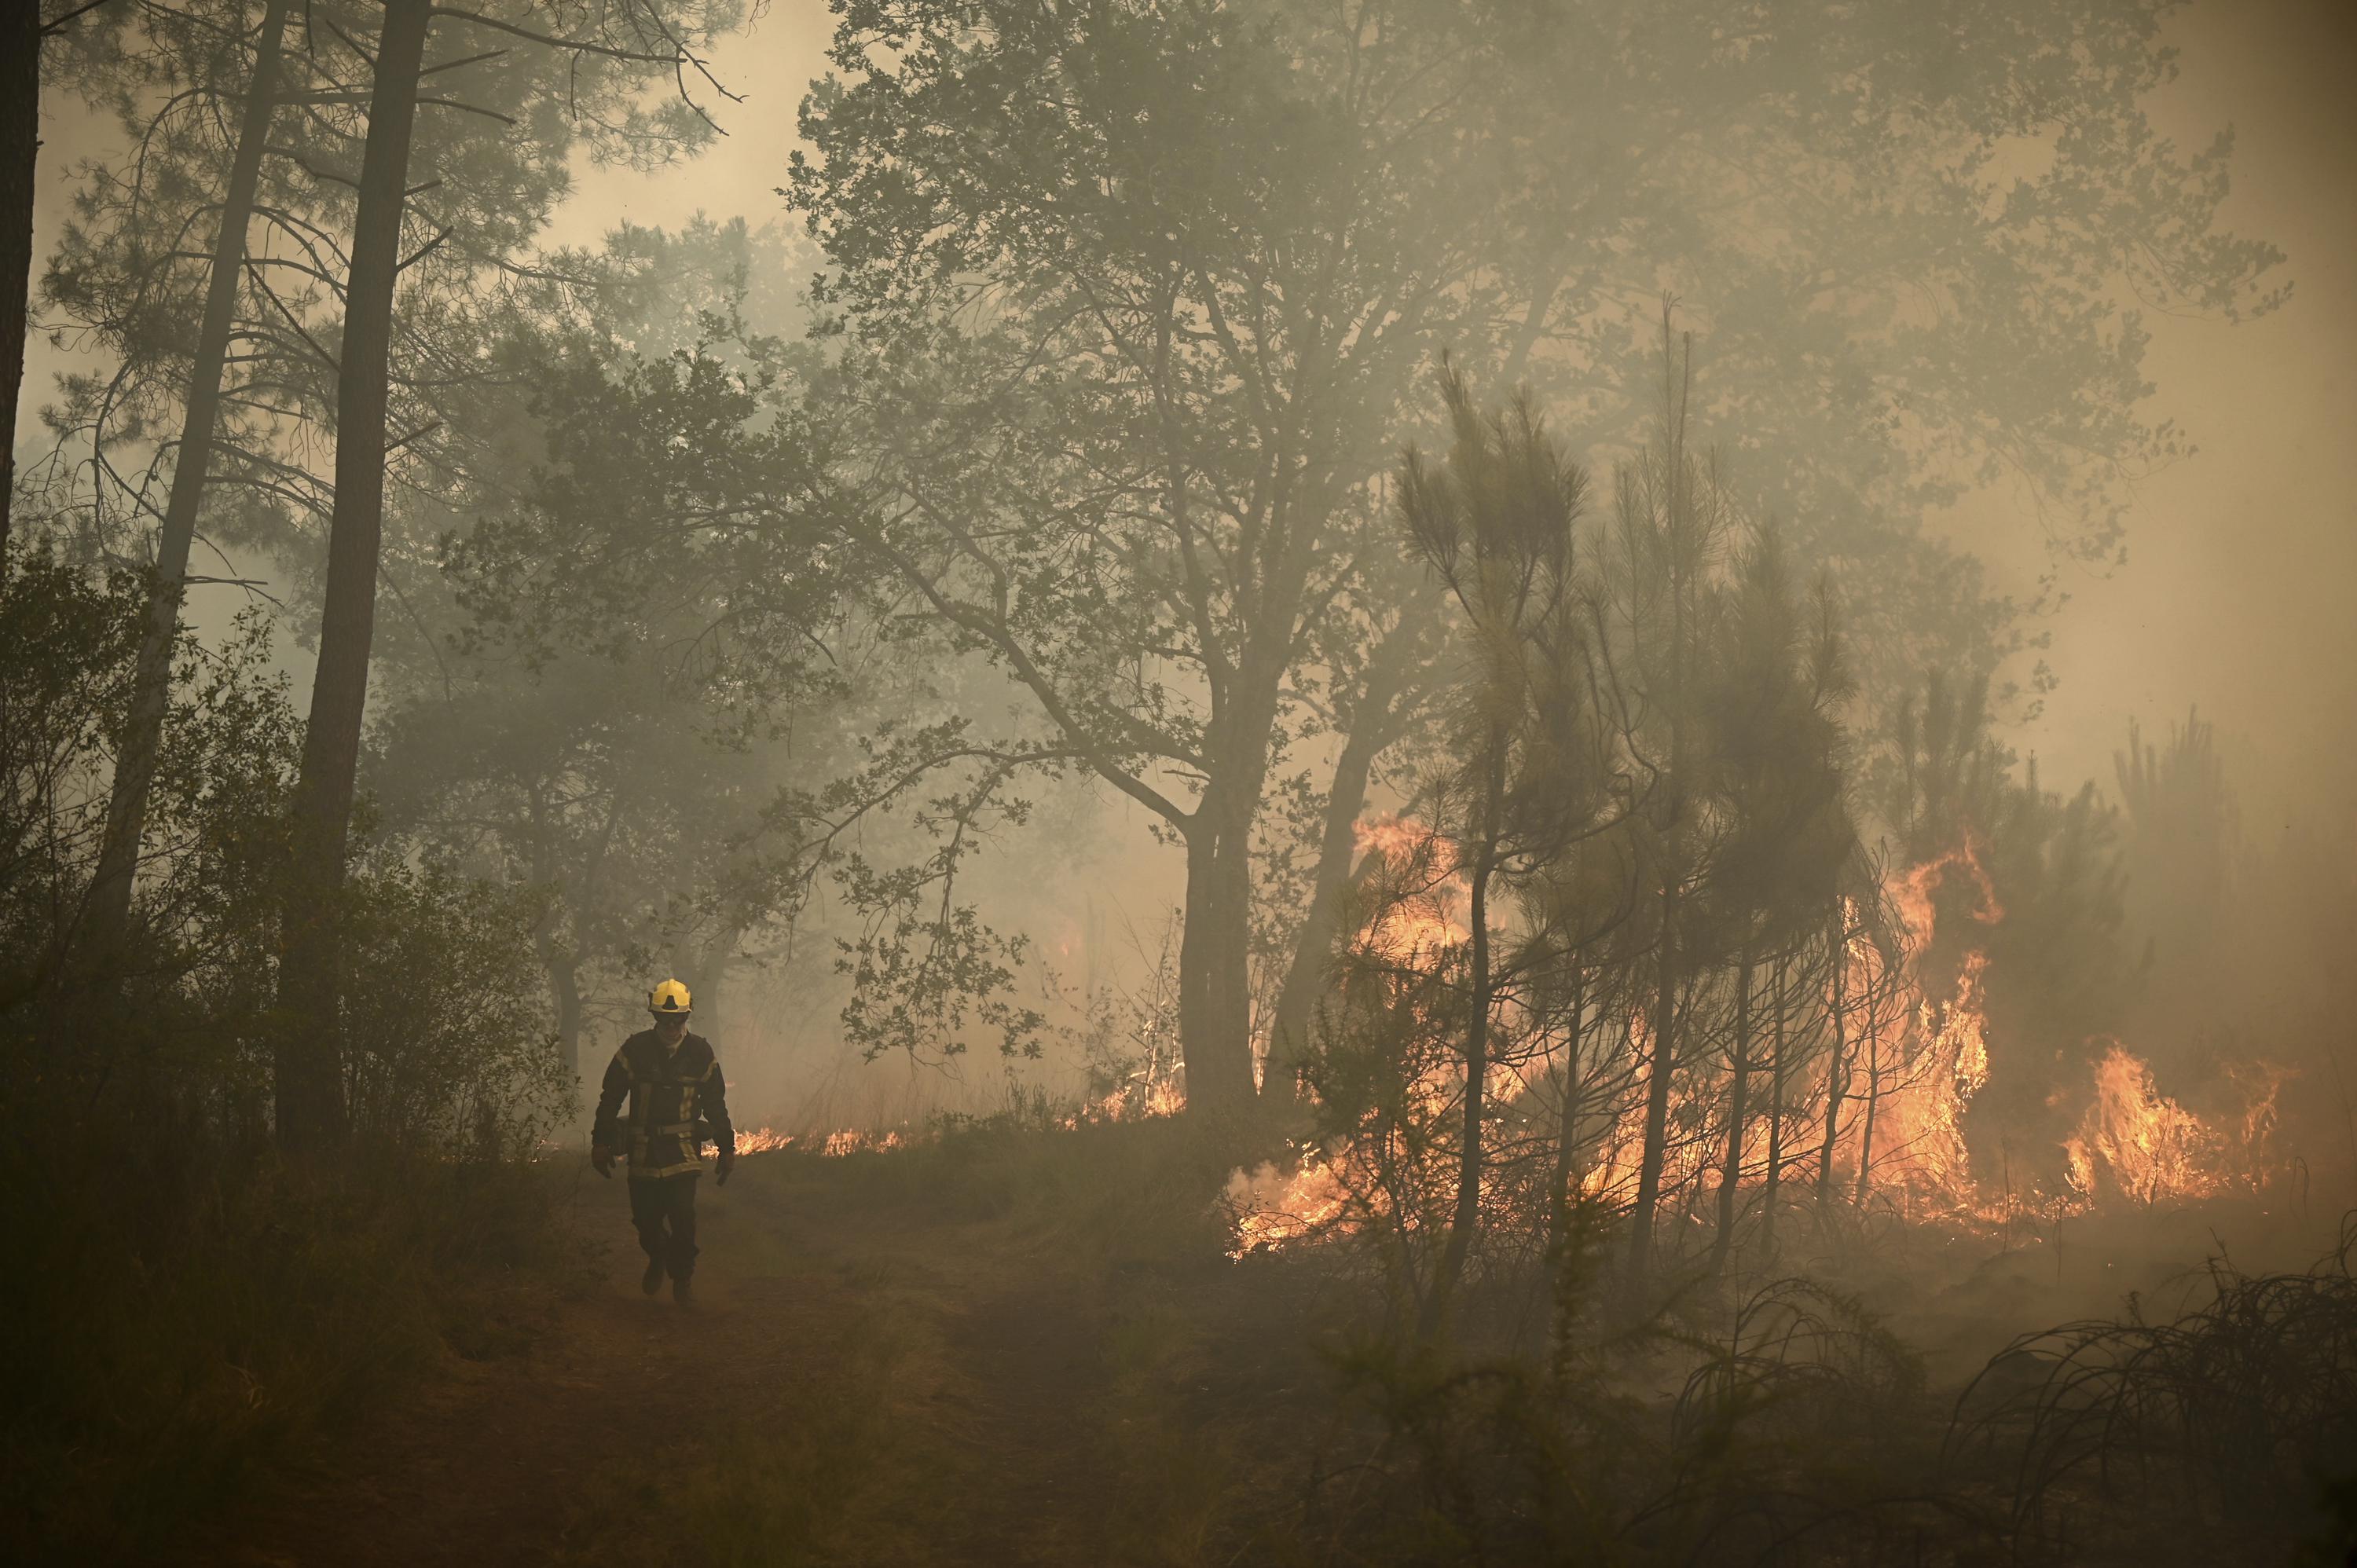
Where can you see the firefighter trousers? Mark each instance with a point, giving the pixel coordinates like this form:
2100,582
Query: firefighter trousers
664,1208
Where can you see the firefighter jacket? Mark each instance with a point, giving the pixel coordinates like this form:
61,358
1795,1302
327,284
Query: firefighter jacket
677,1101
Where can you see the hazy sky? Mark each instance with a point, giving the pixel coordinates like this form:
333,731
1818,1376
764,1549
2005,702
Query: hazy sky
2237,592
2240,590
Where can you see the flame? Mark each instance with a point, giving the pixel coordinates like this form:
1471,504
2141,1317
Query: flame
1917,1049
1414,928
1271,1210
1399,838
2136,1142
1911,891
831,1146
2131,1142
1148,1095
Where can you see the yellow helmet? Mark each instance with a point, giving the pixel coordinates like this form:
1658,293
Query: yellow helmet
669,997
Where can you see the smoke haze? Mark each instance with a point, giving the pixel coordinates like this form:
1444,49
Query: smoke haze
2233,595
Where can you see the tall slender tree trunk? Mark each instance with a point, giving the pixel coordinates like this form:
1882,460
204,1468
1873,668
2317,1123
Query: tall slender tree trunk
1681,543
1657,1095
1313,948
1873,1096
134,764
309,1058
1837,1065
1567,1138
1772,1190
1467,1217
20,147
1731,1175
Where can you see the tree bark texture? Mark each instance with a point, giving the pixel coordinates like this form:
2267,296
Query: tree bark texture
310,1060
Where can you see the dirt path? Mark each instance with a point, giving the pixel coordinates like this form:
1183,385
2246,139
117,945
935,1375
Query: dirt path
985,1369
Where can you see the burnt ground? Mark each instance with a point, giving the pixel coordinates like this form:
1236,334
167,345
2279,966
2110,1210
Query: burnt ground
867,1378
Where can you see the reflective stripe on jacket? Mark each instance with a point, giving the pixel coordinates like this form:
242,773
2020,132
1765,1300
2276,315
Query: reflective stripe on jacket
668,1092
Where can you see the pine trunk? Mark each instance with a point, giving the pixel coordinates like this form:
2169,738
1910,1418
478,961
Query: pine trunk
135,768
1873,1096
1771,1189
1313,949
1657,1098
1467,1217
20,147
1837,1065
1731,1175
309,1058
1566,1141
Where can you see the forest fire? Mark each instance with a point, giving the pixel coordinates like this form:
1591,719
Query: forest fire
1146,1096
2137,1143
1428,922
1447,784
1270,1211
2131,1142
1907,1070
831,1146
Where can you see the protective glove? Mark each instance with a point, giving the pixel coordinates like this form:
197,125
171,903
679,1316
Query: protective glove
602,1158
722,1163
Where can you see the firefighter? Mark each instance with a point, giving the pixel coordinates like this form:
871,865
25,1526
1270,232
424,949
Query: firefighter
677,1099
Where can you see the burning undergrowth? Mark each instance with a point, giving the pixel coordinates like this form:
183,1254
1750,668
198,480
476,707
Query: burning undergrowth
1127,1102
1877,1055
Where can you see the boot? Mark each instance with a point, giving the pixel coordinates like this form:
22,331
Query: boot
652,1281
681,1292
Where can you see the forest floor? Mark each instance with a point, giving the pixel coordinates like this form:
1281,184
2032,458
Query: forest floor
874,1371
1021,1350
